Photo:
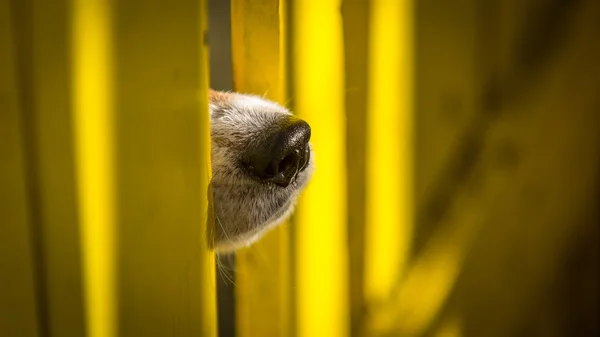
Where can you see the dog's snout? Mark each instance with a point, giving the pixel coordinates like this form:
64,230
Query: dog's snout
280,156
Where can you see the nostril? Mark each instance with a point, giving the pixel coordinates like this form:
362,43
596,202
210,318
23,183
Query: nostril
287,169
282,153
290,161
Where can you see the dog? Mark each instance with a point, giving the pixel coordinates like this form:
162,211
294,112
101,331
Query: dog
261,161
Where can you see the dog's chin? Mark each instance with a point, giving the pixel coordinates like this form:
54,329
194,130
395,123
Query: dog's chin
245,239
242,218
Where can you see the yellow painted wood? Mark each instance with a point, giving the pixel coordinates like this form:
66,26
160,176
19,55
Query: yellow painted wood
538,184
140,109
451,327
429,280
356,19
263,305
316,88
40,71
527,179
105,196
423,287
255,47
165,272
379,96
17,293
93,115
390,129
59,225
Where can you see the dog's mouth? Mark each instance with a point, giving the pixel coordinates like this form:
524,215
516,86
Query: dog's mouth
240,220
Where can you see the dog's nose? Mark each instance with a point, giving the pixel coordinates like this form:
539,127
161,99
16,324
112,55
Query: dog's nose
282,154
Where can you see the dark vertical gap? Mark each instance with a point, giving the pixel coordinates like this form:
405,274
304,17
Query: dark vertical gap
226,295
220,66
23,36
355,18
219,37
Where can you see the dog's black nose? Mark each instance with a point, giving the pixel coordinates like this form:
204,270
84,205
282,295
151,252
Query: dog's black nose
282,153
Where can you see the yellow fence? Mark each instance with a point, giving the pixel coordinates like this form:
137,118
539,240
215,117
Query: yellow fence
105,170
449,188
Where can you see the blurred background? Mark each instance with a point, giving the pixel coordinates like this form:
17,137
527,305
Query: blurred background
457,189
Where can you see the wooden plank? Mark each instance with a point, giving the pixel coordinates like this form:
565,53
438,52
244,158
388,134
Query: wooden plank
165,273
140,83
356,22
41,49
316,88
517,169
263,292
18,306
390,130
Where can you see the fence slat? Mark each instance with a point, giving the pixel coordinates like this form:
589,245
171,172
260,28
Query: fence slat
356,20
105,181
41,70
94,141
17,292
316,89
165,274
263,305
105,193
389,159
